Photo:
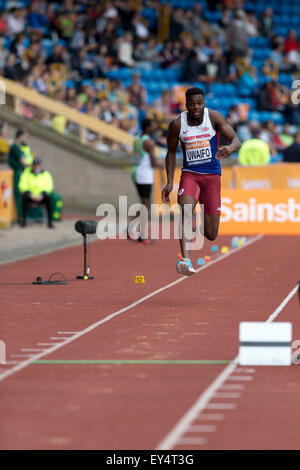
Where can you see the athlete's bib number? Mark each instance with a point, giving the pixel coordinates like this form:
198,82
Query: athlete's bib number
198,152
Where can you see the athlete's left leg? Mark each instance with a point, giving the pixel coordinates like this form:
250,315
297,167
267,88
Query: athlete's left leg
211,226
210,197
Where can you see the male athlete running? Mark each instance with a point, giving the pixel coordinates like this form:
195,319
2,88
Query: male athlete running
198,130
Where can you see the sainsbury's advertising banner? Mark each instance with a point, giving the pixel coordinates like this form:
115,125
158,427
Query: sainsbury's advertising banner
251,211
274,211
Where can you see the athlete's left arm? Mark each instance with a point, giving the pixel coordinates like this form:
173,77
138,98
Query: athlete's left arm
227,131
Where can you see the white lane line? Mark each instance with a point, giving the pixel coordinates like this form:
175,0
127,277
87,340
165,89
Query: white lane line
202,402
47,344
242,378
32,349
232,387
202,428
227,395
67,332
22,355
283,304
57,346
210,417
194,441
220,406
59,337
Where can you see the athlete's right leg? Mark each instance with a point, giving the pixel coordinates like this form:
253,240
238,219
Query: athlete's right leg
188,195
187,204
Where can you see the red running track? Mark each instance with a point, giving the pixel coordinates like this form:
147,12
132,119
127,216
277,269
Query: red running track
136,406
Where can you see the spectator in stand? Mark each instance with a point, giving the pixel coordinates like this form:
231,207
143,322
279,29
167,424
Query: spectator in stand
245,130
77,41
286,135
125,13
57,56
191,64
165,106
291,42
272,97
233,116
3,22
292,153
86,65
251,25
16,21
176,23
248,82
266,23
226,72
137,93
3,55
125,50
71,96
237,37
166,56
208,71
276,55
292,109
225,18
99,37
17,46
141,31
270,134
293,59
64,24
254,151
194,22
12,69
36,19
151,53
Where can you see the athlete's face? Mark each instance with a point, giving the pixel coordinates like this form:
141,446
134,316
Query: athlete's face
195,105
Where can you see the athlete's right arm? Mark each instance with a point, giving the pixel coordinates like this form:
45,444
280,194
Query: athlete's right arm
172,142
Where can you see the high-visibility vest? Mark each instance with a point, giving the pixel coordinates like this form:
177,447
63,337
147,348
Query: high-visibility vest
254,152
36,184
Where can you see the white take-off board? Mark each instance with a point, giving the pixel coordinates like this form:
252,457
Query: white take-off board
265,344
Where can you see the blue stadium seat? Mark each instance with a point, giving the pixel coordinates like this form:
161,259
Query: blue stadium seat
153,87
47,45
286,79
150,15
70,83
165,85
88,82
172,74
113,74
157,74
217,89
254,115
124,73
146,74
260,41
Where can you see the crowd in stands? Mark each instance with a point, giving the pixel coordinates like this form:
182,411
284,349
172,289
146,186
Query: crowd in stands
121,60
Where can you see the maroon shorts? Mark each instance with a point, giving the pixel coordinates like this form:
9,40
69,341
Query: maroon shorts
203,188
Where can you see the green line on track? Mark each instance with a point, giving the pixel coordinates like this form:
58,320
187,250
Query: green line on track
130,361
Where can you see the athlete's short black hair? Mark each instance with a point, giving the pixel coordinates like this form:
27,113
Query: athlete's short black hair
146,122
193,91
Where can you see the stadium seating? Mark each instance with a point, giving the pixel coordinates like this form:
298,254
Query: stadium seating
223,96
